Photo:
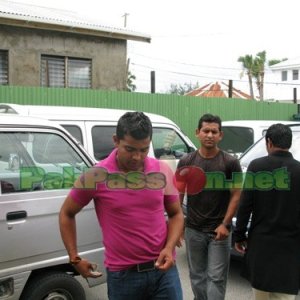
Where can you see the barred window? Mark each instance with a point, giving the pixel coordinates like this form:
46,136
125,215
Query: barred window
59,71
295,74
3,67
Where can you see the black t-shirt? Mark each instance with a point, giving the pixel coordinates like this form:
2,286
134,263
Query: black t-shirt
206,209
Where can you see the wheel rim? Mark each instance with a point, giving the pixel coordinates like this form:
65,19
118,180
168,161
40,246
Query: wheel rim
58,296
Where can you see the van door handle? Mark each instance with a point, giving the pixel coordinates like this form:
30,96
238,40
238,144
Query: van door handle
16,217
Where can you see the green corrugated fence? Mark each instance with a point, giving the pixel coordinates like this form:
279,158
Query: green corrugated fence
183,110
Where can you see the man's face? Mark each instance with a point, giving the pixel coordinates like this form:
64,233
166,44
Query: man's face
209,135
131,153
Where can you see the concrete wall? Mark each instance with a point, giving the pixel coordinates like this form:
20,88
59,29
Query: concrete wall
279,90
25,47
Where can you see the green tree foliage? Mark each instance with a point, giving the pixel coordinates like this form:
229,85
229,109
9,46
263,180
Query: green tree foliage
255,69
247,62
276,61
179,89
131,87
259,72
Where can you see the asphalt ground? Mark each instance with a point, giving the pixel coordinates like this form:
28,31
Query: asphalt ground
237,287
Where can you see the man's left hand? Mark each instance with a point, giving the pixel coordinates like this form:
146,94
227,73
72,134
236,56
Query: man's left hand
165,260
221,232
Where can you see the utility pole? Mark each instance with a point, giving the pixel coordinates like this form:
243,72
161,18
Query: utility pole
230,89
295,95
125,19
152,78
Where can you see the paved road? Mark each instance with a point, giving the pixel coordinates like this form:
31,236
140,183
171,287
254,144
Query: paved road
237,287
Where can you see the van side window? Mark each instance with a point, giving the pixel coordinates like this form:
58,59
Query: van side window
75,131
167,142
31,161
236,139
102,141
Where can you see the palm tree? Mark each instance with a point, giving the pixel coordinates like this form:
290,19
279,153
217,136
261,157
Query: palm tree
247,62
259,72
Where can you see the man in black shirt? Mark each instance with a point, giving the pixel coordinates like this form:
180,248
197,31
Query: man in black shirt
212,199
272,247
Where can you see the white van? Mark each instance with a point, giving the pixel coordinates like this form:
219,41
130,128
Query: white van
241,134
94,127
39,162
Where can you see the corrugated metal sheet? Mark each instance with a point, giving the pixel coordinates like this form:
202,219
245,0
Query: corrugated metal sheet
185,111
32,16
217,89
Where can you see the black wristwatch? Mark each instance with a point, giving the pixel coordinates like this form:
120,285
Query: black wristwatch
76,260
228,226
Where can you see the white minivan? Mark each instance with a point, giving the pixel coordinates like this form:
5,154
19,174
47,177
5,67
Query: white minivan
239,135
39,161
94,128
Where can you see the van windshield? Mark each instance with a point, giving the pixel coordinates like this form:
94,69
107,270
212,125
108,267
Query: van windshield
236,139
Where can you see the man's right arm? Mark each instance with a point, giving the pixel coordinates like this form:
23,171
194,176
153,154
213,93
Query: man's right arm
242,220
67,224
243,217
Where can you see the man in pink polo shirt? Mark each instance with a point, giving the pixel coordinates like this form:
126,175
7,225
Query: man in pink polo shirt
130,198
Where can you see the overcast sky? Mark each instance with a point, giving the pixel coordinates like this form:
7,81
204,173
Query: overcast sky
195,41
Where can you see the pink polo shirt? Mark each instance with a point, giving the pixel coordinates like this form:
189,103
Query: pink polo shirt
131,216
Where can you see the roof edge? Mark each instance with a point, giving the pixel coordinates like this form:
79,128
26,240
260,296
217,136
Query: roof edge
72,27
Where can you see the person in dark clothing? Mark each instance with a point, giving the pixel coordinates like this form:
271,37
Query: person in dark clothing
210,208
272,248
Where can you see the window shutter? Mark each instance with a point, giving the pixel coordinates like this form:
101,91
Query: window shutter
53,71
3,67
79,73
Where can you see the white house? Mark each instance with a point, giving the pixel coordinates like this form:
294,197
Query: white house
281,80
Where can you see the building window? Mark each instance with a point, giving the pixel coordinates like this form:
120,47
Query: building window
57,71
284,76
295,74
3,67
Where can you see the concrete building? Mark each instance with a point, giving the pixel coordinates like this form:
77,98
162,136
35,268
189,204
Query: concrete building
282,80
54,48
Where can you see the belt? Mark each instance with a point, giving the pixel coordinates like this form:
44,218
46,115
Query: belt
144,267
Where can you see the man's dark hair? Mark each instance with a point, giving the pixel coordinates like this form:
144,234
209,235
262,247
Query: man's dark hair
135,124
280,135
209,118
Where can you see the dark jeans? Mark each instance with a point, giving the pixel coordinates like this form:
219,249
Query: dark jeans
129,284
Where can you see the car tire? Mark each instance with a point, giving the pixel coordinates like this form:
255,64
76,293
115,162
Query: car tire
53,285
